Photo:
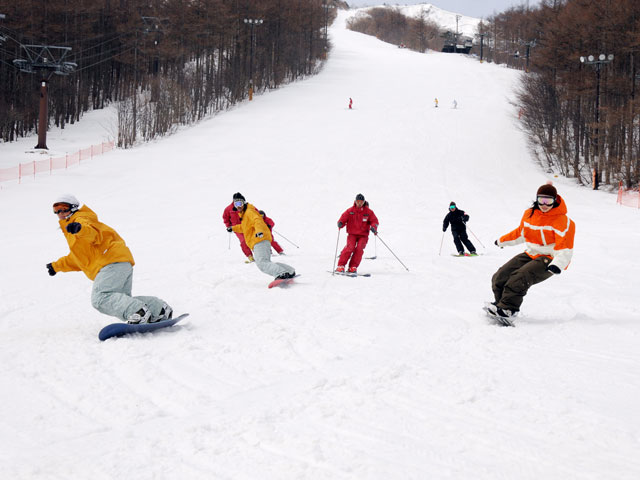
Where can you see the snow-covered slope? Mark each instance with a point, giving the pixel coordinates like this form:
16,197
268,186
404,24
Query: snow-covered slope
397,376
446,20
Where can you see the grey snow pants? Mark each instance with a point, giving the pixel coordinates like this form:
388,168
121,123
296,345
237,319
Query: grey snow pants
262,256
111,293
512,281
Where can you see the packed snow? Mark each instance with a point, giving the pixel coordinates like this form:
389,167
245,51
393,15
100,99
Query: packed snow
396,376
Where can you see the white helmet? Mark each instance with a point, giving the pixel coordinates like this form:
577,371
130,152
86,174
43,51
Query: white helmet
70,200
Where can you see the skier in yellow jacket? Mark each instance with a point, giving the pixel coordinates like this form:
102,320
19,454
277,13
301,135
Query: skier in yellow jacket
102,255
548,234
258,237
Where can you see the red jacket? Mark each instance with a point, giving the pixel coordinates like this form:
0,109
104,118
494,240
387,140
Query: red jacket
270,223
230,216
359,220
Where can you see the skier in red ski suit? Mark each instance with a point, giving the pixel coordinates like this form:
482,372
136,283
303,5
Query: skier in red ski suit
270,223
359,220
230,218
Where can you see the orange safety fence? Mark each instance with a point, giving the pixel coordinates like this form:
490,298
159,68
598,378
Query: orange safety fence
47,165
630,198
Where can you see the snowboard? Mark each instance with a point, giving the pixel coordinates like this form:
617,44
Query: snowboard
120,329
347,274
283,282
502,321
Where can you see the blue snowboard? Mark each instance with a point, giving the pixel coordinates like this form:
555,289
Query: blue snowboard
120,329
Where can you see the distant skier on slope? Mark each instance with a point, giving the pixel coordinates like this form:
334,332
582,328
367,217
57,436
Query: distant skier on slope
458,219
359,220
101,254
258,238
230,218
548,234
270,223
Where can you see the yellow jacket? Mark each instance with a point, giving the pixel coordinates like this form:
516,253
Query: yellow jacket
251,223
93,247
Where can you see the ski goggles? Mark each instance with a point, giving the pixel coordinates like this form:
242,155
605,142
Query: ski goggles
452,207
65,210
546,201
238,203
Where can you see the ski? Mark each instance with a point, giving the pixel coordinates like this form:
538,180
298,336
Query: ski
465,255
347,274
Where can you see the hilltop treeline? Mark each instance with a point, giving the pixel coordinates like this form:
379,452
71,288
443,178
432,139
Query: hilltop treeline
166,62
392,26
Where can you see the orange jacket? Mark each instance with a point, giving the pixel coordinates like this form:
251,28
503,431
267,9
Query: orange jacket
549,234
93,247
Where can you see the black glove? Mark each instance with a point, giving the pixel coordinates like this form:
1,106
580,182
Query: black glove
52,272
340,224
229,229
373,229
259,235
73,228
554,269
444,229
497,244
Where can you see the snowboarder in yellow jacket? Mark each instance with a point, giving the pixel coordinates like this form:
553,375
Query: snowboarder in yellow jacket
102,255
258,237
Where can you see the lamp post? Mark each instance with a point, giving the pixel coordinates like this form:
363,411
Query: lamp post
481,35
602,59
528,53
252,22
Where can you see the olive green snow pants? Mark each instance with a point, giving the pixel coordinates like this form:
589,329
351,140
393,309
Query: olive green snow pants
512,280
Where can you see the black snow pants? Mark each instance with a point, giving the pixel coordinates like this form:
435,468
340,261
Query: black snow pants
460,237
512,280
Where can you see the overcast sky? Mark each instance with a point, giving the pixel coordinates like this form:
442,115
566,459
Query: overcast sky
470,8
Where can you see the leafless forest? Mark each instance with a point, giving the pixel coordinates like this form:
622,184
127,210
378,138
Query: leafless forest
165,63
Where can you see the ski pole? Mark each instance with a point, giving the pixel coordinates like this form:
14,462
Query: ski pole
335,257
229,240
474,236
442,240
378,235
286,239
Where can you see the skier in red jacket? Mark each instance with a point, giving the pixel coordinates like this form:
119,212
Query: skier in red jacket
359,220
270,223
230,218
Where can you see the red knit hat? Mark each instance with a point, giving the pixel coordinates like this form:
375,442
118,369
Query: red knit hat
547,190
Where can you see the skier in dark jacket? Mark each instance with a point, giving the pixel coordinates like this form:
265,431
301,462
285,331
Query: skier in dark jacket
458,219
359,220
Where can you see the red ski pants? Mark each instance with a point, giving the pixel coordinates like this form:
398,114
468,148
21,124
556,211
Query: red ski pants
276,246
355,245
243,245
